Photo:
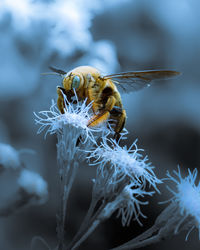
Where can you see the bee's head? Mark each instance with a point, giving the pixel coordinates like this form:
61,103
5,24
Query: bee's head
76,78
73,80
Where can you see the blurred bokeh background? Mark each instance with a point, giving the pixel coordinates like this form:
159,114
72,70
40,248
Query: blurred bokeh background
113,36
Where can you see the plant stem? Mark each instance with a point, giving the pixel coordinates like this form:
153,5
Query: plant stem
86,226
85,222
145,238
85,236
139,244
68,180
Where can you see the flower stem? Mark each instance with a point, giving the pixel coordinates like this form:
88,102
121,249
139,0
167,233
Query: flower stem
146,238
85,222
88,226
139,244
68,180
85,236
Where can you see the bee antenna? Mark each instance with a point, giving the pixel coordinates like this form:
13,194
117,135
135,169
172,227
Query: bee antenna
50,73
58,71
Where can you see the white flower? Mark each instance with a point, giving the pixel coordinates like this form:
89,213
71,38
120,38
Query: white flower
54,120
131,204
187,198
71,128
33,184
123,163
128,204
75,116
9,157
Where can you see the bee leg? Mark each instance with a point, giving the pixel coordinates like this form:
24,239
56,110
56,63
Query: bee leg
68,93
99,118
60,100
78,140
96,120
61,103
104,114
116,111
120,115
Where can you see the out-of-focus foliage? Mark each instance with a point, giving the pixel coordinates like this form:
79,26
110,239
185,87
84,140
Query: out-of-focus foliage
113,36
32,31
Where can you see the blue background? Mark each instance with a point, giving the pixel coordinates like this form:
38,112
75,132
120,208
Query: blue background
113,36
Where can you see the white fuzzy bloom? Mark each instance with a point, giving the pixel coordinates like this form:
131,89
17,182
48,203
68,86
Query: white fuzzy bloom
187,197
9,157
124,163
71,128
128,204
34,185
76,116
130,208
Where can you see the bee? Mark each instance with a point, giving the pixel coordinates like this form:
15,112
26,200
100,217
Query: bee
102,91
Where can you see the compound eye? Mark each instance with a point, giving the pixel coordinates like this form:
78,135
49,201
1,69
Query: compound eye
75,82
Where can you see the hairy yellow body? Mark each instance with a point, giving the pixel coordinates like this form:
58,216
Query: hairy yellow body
101,92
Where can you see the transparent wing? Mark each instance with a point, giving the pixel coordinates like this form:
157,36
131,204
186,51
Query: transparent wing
133,81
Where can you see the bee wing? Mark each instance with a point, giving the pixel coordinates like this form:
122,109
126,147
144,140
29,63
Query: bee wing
133,81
